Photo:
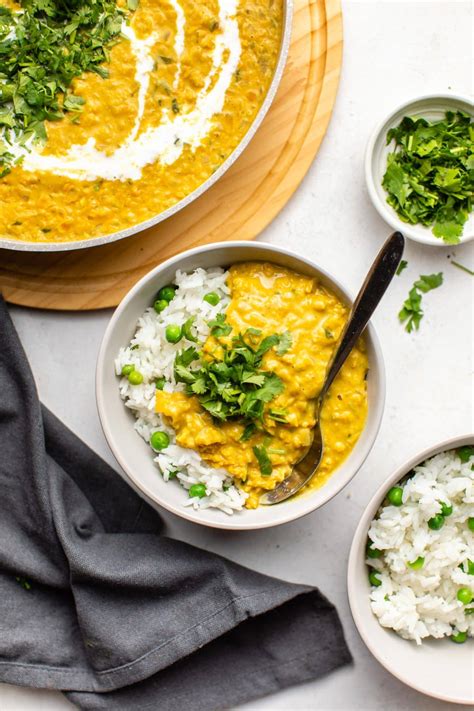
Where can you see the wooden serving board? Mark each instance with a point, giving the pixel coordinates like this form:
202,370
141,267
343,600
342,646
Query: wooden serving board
238,206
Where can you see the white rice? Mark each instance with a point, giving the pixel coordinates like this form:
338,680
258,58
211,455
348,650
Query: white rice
151,354
423,603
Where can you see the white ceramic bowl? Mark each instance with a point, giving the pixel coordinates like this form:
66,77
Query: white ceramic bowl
433,108
438,667
133,454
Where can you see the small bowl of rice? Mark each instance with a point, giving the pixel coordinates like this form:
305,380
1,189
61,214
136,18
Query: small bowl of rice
145,406
411,572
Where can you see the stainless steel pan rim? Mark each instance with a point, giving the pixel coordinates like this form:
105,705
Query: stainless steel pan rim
122,234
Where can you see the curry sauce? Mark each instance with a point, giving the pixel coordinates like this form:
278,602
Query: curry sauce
274,299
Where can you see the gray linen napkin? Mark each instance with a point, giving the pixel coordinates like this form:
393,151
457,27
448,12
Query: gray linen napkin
95,601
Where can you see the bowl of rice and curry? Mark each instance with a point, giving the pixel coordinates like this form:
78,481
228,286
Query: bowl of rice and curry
115,115
208,378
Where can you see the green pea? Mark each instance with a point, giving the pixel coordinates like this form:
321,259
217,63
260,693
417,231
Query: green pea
395,495
160,305
172,475
167,292
159,440
373,552
135,378
470,567
212,298
127,369
198,490
160,383
436,522
173,333
374,579
417,564
459,637
446,509
470,523
464,595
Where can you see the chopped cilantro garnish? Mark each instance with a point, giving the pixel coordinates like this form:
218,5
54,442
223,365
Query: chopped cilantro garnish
219,327
429,175
43,48
285,343
263,460
232,385
426,282
411,311
403,265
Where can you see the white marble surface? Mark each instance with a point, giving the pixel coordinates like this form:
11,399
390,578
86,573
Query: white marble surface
393,50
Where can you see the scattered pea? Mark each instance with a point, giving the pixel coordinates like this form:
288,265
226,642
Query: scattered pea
127,369
159,440
198,490
436,522
446,509
166,293
395,495
212,298
160,305
459,637
374,579
173,333
373,552
172,475
160,383
135,377
464,595
470,523
417,564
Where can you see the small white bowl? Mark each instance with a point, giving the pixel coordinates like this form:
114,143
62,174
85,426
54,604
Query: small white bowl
433,108
438,667
133,454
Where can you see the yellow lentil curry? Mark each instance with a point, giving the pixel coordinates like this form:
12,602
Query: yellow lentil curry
50,204
273,299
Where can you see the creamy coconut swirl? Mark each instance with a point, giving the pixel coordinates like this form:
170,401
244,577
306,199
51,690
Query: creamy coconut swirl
165,142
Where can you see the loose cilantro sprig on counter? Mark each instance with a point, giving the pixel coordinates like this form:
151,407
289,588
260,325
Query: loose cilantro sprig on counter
411,312
43,49
233,385
430,175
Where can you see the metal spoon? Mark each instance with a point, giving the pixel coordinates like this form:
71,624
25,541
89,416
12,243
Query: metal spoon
376,282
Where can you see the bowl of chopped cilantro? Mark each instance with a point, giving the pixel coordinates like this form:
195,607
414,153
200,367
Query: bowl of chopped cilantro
419,169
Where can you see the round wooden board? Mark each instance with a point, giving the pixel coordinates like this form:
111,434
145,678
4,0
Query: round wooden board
238,206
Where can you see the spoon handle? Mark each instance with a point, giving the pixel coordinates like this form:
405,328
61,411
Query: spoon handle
374,287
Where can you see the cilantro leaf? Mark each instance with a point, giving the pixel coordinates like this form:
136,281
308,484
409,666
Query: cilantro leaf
219,327
426,282
403,265
411,312
263,460
248,432
284,344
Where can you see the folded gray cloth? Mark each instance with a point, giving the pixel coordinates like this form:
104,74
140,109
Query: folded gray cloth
95,601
